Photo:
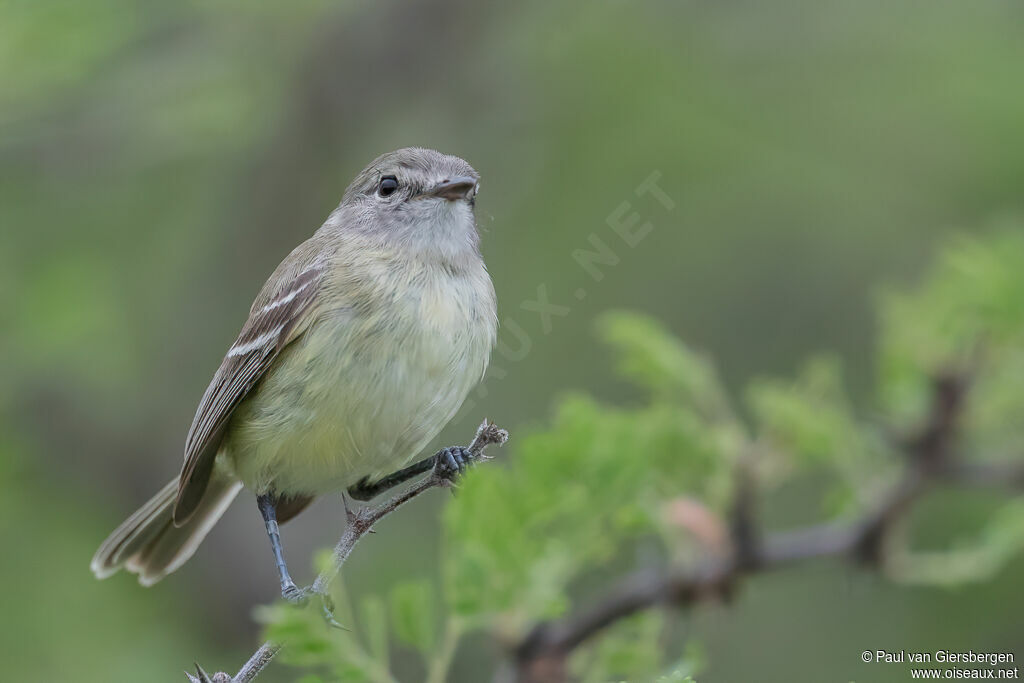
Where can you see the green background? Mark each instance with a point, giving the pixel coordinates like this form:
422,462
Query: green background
158,159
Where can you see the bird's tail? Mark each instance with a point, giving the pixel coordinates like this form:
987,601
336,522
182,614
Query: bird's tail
148,543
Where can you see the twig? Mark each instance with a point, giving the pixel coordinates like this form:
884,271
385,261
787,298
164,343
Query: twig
542,655
257,662
359,523
363,520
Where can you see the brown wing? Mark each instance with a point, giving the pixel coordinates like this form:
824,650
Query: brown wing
277,318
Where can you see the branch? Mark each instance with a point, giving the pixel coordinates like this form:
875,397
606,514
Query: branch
542,655
359,523
363,520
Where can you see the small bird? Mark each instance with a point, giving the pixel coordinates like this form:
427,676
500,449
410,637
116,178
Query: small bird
360,347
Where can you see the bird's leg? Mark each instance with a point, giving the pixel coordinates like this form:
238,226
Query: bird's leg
364,490
268,508
447,462
289,591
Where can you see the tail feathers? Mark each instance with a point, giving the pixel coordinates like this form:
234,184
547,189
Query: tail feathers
148,543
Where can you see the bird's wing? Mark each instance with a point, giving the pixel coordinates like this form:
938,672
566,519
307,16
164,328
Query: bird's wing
278,317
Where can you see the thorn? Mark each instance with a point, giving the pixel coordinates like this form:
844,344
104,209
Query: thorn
350,516
334,623
201,676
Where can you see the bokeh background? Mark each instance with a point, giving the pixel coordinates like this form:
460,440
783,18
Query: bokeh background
158,159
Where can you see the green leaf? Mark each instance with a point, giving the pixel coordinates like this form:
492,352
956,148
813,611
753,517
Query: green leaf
413,614
651,356
809,423
630,649
375,627
675,676
970,307
970,560
309,642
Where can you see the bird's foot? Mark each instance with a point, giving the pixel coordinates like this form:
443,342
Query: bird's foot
295,595
301,596
450,462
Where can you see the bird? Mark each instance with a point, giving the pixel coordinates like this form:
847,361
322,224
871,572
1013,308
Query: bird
361,345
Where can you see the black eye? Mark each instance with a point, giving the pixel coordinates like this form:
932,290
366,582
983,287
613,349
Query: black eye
388,184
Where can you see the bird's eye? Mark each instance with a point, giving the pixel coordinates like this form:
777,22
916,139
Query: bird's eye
388,184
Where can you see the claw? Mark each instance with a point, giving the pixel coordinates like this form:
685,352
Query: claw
453,461
295,595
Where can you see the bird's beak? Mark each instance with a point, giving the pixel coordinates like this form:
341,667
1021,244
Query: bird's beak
459,187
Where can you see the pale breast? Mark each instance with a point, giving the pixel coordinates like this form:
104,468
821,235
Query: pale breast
368,385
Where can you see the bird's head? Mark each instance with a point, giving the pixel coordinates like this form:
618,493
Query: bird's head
414,198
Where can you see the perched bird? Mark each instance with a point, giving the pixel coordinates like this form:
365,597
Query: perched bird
360,347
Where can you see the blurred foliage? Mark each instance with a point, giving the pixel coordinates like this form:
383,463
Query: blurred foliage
968,315
589,494
47,598
159,159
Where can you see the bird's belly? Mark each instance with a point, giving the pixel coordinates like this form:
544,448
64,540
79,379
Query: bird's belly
347,403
